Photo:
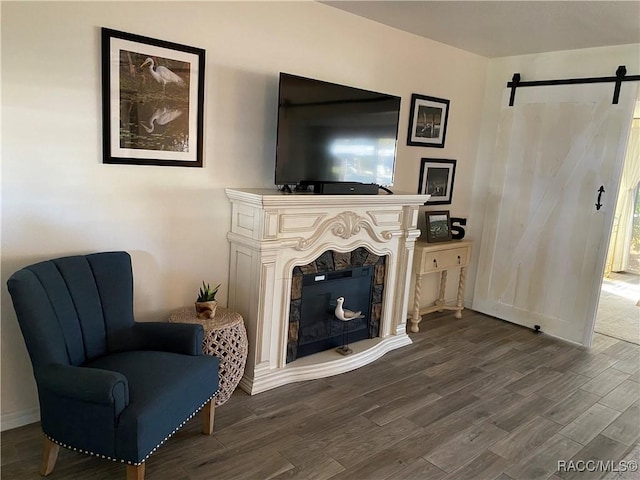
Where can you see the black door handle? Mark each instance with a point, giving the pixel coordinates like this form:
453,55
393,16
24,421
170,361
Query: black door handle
600,192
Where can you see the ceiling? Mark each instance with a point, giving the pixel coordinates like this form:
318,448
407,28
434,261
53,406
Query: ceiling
505,28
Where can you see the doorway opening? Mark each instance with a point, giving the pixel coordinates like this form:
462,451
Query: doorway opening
618,312
634,248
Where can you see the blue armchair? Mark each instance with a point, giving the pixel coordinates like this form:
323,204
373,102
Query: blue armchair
107,386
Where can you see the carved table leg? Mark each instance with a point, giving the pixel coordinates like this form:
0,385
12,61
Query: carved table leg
416,318
443,286
463,275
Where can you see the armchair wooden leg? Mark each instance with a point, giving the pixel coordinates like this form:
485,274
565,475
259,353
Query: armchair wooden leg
208,415
135,472
49,457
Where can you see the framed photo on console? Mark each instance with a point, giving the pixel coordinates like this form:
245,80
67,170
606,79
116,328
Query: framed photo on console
436,178
438,226
428,121
152,101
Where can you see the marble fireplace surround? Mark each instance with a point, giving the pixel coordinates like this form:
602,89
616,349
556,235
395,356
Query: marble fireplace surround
273,232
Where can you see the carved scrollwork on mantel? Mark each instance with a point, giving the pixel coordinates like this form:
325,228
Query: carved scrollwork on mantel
344,225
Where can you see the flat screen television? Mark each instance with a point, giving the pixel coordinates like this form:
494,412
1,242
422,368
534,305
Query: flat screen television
330,133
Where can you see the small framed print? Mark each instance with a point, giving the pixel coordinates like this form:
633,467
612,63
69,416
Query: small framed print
428,121
152,101
436,179
438,226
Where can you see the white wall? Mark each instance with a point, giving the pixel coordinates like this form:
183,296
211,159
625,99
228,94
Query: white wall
58,198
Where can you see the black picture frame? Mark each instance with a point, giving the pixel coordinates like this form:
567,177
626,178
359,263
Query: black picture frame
428,120
436,178
152,101
438,226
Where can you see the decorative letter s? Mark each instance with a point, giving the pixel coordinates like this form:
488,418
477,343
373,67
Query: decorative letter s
457,232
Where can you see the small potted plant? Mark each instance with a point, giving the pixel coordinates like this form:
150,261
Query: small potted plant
206,303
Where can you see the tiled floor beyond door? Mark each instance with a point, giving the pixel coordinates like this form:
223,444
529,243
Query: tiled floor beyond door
619,308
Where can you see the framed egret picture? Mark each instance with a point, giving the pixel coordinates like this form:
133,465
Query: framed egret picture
436,179
152,101
428,121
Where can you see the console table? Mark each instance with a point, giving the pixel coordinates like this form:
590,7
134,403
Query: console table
439,257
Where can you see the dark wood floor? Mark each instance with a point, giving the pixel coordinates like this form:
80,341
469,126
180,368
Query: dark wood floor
474,398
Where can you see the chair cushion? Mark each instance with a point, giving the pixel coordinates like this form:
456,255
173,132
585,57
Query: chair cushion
164,391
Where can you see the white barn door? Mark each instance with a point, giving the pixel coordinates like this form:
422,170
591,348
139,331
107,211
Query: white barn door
544,240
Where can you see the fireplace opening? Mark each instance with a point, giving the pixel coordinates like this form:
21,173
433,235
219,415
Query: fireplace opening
318,328
358,277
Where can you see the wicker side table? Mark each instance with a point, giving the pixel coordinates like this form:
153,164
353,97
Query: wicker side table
224,337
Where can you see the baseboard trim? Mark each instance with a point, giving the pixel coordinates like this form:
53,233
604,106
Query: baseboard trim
19,419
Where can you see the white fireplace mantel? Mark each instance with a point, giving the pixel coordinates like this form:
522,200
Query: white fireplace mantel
272,232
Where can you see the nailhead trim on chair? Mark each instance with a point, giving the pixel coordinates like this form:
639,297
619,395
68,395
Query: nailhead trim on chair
148,455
